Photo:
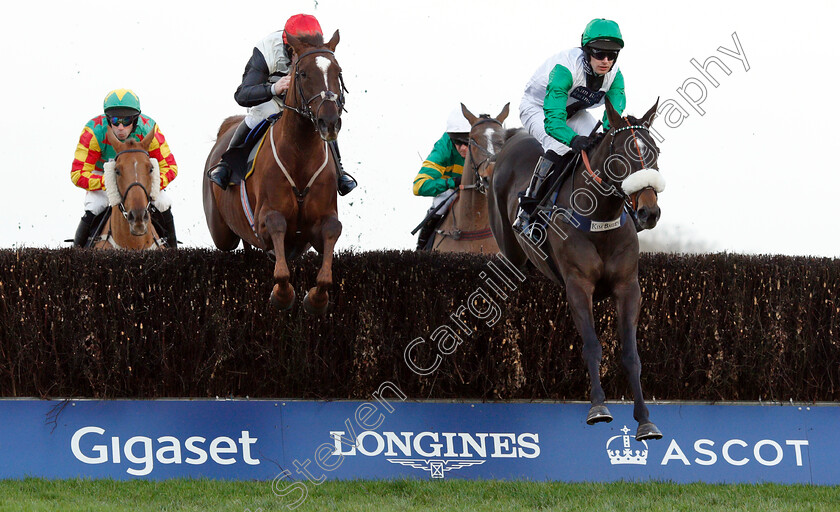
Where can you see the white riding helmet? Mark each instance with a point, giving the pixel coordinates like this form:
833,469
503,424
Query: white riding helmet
457,123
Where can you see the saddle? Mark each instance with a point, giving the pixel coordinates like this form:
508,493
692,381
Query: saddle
242,156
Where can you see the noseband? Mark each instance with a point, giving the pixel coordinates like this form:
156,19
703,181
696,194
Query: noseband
480,183
326,95
134,184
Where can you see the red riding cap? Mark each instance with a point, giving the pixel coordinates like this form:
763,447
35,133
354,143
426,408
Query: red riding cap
301,25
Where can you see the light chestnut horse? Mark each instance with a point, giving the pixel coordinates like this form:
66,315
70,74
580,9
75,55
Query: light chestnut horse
289,203
466,227
132,182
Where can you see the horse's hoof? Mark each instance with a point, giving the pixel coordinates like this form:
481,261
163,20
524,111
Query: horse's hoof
647,431
282,305
597,414
313,308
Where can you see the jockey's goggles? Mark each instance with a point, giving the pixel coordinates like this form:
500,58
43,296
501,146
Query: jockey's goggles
123,120
604,54
458,141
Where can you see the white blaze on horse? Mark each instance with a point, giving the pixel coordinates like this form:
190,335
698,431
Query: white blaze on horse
132,182
466,226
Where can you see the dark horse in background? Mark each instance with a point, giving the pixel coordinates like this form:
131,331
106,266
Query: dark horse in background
292,189
587,241
466,227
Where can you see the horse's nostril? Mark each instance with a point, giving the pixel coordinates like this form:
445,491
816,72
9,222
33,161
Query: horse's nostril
322,126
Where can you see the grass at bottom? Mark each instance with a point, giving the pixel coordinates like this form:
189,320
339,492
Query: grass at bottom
409,495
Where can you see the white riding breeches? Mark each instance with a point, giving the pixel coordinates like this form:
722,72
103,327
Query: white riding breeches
533,119
263,110
96,201
446,197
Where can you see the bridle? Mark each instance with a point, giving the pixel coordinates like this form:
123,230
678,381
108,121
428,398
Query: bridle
124,195
480,184
326,95
615,188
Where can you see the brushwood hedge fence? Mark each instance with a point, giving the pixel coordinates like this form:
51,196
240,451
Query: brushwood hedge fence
197,323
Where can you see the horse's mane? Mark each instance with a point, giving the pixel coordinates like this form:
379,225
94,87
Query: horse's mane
314,40
510,132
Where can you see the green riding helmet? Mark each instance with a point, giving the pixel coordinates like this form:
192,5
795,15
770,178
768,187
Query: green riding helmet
122,102
602,34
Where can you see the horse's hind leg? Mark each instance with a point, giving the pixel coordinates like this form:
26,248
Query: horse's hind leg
317,299
628,300
283,294
579,295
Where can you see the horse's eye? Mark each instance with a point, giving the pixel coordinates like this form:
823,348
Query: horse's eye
116,171
302,74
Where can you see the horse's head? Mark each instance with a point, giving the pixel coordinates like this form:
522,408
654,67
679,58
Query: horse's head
633,163
317,87
487,134
132,180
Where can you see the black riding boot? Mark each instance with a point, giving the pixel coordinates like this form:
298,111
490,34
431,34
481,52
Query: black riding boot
165,225
83,230
346,183
233,156
529,201
427,231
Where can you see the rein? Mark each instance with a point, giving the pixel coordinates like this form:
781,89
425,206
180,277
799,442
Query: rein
630,199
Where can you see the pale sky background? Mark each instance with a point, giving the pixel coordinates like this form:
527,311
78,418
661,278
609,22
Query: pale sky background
754,174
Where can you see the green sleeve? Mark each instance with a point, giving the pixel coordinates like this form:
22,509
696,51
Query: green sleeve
438,170
556,97
616,97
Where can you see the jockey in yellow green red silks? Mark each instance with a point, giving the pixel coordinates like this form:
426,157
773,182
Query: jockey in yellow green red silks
121,109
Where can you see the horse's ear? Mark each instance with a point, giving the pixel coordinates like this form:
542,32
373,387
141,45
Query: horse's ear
612,115
469,115
650,115
147,140
503,114
333,42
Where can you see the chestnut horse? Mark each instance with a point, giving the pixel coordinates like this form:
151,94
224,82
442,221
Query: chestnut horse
293,185
132,182
466,227
589,243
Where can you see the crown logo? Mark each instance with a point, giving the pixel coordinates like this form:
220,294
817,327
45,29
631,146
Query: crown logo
626,455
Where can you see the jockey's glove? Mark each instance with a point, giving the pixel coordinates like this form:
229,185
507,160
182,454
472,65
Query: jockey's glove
582,143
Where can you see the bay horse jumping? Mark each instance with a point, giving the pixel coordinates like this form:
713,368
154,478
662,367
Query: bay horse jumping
588,241
466,227
292,189
132,182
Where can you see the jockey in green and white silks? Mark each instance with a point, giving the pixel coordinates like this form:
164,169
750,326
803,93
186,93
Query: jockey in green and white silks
558,95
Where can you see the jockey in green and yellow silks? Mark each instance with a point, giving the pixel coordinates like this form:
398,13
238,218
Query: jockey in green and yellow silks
122,113
440,173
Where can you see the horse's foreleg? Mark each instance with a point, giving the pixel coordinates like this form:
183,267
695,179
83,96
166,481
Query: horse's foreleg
628,301
283,294
579,294
317,299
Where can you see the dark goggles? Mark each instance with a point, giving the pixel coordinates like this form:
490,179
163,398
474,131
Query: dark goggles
604,54
123,120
